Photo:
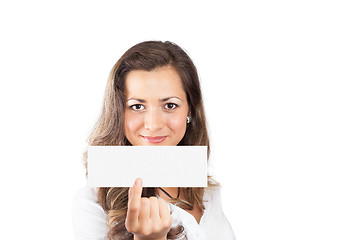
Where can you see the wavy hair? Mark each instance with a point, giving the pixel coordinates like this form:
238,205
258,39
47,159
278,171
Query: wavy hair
109,129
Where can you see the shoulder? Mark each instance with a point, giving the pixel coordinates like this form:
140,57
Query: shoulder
89,219
216,224
212,194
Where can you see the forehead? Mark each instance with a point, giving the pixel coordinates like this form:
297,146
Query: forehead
160,82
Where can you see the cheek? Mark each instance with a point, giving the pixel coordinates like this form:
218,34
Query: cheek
132,124
177,125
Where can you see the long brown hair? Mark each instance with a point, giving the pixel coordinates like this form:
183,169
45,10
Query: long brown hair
109,130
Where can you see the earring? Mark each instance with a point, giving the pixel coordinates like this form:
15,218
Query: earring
188,119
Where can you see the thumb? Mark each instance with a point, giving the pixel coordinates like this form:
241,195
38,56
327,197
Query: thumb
137,185
135,192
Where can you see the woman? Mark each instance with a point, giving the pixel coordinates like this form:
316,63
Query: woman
152,98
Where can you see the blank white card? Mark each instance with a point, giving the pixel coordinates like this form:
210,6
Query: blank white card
157,166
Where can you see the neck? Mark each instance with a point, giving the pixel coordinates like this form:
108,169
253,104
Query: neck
173,191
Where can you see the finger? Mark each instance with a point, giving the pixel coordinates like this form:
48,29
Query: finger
154,208
134,202
135,191
144,215
164,211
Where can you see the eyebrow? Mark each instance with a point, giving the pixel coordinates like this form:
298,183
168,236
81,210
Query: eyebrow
161,100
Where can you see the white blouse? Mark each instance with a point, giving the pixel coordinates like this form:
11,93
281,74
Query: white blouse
89,218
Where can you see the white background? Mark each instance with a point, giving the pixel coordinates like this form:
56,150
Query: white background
280,81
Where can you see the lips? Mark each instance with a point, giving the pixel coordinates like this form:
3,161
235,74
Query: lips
157,139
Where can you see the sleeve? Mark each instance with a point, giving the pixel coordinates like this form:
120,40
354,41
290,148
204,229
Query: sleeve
89,219
218,226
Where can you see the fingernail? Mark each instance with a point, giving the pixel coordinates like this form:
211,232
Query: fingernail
138,182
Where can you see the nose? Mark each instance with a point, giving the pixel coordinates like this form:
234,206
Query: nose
153,121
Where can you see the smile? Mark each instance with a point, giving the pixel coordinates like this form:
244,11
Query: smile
157,139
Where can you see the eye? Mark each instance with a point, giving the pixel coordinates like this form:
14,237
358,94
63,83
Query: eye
170,106
137,107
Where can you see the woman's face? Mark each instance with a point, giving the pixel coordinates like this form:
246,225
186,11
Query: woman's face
156,107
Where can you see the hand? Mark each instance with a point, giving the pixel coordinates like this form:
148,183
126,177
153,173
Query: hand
147,218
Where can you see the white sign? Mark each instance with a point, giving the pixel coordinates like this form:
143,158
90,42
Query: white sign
157,166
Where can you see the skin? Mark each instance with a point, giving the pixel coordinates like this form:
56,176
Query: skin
156,106
147,218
